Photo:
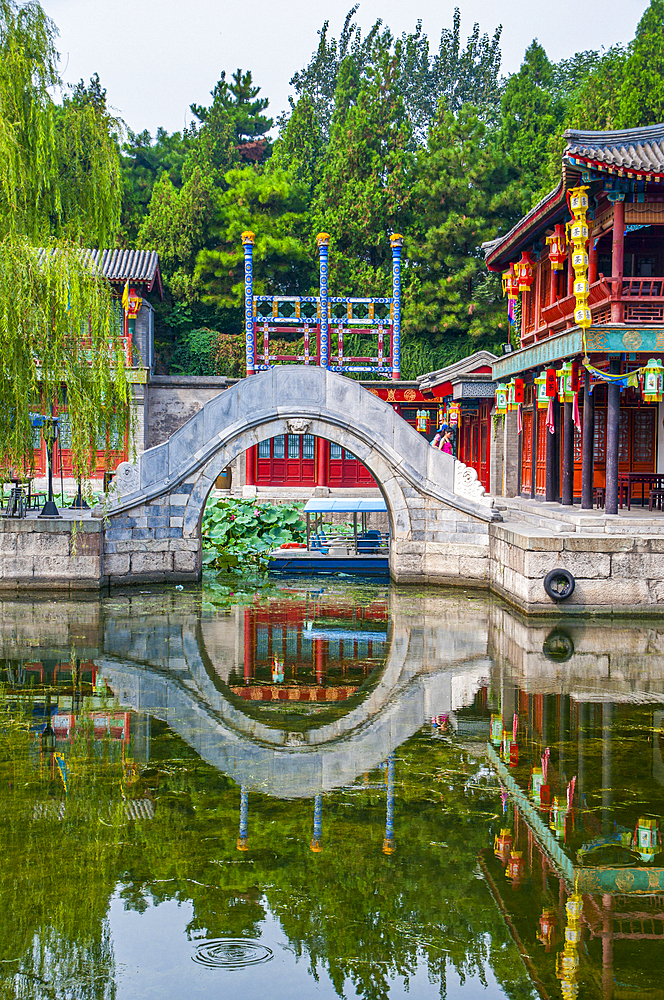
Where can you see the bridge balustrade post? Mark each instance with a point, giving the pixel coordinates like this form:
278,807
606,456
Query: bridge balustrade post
250,344
323,241
396,242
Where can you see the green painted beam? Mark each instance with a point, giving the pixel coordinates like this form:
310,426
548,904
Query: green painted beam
600,340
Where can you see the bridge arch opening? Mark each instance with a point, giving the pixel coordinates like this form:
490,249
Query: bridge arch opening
346,438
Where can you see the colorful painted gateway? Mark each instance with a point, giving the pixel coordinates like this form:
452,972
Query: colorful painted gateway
587,264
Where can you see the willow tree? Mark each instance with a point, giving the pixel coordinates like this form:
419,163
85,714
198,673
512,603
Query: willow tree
60,332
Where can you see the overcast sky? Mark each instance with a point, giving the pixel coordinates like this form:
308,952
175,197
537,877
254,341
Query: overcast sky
156,58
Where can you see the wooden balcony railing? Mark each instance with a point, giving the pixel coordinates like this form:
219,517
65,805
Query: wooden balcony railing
639,300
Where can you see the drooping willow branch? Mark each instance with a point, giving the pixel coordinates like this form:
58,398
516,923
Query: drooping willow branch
60,346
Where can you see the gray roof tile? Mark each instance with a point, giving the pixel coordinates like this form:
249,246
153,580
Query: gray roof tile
639,149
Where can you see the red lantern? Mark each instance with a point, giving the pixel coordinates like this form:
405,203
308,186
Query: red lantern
518,390
547,932
510,283
576,376
551,382
557,247
525,272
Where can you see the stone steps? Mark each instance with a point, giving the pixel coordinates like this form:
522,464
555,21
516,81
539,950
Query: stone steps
559,520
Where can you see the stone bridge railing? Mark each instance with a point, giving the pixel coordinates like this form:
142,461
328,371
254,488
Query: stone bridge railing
439,515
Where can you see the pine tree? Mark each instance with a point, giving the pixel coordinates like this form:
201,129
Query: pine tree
364,189
531,114
463,197
641,97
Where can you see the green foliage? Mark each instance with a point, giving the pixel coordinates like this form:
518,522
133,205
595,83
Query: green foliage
144,160
464,195
176,227
454,74
240,532
366,179
531,112
641,92
270,204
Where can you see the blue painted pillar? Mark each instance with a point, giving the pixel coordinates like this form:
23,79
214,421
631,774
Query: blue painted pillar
315,844
396,242
323,243
243,835
388,843
248,246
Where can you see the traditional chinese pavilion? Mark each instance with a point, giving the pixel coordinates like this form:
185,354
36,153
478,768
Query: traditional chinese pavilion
581,399
133,275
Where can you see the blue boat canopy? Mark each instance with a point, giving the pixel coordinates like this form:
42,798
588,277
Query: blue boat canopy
346,505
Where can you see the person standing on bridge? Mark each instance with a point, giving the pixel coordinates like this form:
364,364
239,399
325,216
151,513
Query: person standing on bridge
443,440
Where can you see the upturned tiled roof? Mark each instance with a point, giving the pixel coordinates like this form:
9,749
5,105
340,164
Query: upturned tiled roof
480,359
633,149
119,266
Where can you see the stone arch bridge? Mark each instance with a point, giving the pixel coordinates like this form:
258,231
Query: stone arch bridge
439,515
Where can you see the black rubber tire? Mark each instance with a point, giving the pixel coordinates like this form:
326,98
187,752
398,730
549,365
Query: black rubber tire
559,584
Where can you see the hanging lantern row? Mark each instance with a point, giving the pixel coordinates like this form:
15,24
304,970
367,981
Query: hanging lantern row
508,397
577,235
557,247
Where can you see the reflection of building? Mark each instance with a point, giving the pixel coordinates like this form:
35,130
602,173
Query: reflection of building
312,650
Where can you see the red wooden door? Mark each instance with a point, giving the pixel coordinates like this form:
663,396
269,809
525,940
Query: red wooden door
286,460
485,437
347,470
540,474
526,451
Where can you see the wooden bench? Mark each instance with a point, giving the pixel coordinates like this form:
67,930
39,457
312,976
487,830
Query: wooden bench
656,497
599,494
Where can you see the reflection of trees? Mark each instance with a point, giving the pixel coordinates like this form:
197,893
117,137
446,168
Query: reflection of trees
57,875
363,916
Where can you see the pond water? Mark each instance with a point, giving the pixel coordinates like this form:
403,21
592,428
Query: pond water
328,789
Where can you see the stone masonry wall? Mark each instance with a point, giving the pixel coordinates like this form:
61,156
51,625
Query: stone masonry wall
612,573
148,543
173,399
50,555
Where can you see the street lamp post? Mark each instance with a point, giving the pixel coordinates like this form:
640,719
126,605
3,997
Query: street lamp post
50,428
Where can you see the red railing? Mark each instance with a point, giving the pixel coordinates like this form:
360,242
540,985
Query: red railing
640,300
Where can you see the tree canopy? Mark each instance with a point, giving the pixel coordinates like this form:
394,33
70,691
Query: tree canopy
59,192
384,133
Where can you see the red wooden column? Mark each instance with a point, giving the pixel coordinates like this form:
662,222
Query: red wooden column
250,459
321,461
617,261
588,446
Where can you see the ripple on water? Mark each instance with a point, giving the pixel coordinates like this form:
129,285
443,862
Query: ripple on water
231,953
